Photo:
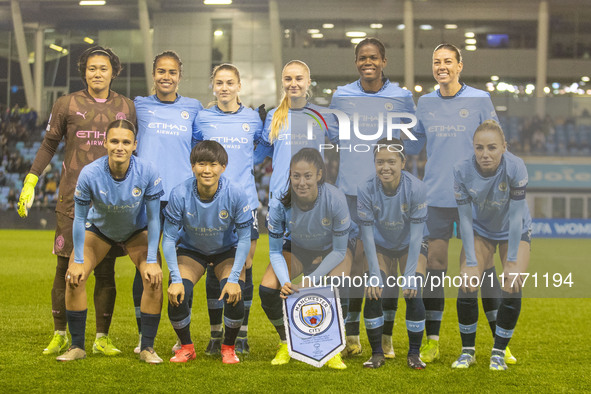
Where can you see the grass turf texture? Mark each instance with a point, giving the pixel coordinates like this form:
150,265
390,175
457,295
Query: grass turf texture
550,341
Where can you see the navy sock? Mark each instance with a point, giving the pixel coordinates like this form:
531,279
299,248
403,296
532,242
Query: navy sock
233,316
415,319
434,301
507,319
150,324
180,316
215,308
271,304
491,297
353,316
137,291
467,306
389,305
248,290
77,326
344,299
374,322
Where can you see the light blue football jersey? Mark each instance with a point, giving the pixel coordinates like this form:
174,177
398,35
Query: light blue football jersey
490,196
391,216
368,113
208,227
313,229
118,206
448,124
238,133
165,136
295,137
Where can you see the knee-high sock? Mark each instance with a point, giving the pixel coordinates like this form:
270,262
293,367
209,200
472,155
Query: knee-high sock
353,316
467,306
374,322
271,304
491,297
58,294
248,290
507,319
180,316
233,316
150,324
215,308
137,291
434,301
105,293
77,326
415,320
389,305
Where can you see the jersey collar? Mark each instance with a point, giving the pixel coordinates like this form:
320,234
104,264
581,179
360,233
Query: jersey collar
464,86
108,170
217,192
385,83
178,97
229,112
501,164
381,186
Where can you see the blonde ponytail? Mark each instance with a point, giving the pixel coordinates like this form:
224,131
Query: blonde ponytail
280,118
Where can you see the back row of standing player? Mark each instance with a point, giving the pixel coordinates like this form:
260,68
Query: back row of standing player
447,119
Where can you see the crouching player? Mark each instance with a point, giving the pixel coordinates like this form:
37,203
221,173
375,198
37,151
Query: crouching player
490,192
121,189
392,209
316,216
214,218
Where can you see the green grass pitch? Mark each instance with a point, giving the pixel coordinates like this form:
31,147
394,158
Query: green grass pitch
550,342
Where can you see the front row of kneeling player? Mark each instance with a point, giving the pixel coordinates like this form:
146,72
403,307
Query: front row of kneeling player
207,222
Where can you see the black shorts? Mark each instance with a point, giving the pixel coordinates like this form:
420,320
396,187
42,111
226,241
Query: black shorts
440,222
306,256
396,254
526,236
94,229
205,260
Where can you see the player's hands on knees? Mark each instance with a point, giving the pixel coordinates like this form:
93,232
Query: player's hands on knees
513,280
75,275
409,293
467,274
176,293
288,289
153,274
373,293
233,291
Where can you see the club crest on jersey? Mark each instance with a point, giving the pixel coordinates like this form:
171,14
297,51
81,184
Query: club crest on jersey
325,221
404,207
184,115
120,116
77,193
223,214
157,181
312,314
464,113
389,106
136,192
503,186
245,127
